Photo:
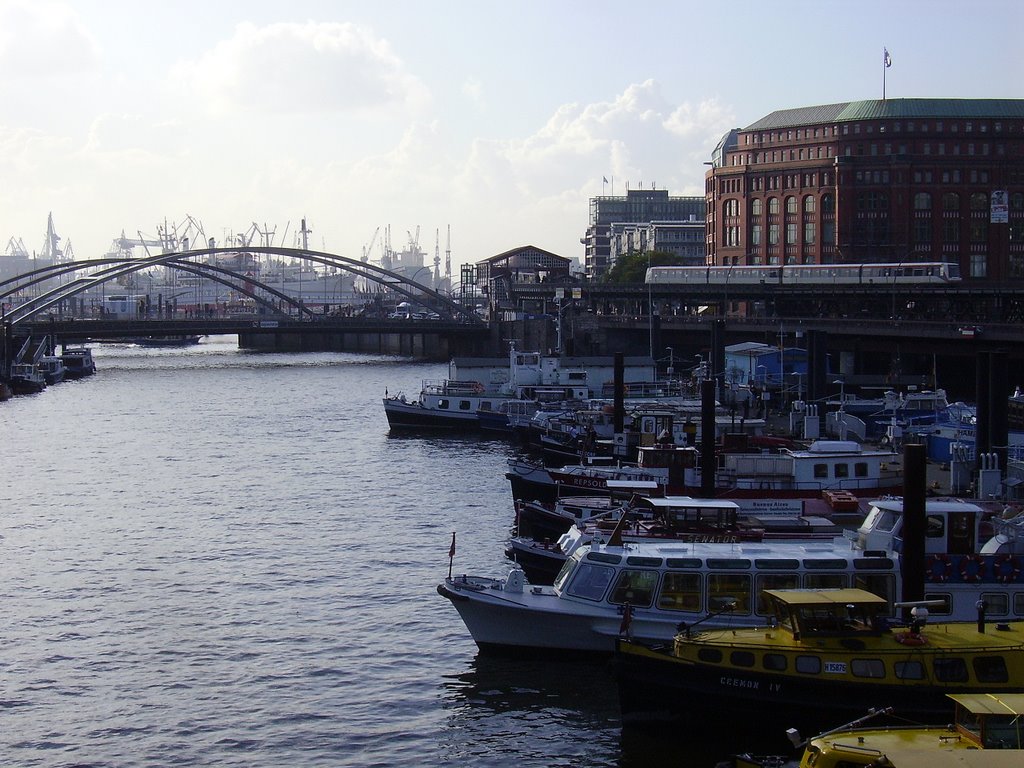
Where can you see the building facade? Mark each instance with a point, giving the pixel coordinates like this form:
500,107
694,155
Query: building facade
638,209
874,181
683,239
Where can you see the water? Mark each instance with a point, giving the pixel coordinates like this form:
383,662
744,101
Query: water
213,557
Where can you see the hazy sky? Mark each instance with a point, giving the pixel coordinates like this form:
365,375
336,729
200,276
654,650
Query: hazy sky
499,120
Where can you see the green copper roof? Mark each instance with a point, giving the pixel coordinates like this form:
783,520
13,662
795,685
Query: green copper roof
896,109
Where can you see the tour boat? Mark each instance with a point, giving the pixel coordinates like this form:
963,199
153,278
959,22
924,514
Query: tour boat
971,557
78,362
826,654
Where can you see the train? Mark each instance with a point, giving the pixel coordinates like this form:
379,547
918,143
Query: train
891,273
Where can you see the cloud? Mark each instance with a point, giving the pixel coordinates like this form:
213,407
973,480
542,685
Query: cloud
118,133
39,38
292,68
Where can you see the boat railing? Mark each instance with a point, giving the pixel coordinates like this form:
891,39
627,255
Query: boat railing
451,387
1012,529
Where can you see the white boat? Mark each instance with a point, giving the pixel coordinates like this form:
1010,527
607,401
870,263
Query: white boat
52,368
475,385
653,588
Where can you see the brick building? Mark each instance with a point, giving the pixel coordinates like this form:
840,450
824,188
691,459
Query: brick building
874,181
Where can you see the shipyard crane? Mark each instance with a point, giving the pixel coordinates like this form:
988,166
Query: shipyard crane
368,248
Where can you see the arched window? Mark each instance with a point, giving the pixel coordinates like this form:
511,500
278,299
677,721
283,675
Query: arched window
790,204
922,201
809,204
828,203
951,201
755,206
979,201
1017,201
773,205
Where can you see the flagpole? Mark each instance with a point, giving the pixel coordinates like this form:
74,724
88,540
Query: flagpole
883,75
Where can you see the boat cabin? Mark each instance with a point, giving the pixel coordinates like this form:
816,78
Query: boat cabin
990,720
953,527
828,613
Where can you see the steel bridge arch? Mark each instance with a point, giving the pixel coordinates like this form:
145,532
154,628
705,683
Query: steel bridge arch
182,260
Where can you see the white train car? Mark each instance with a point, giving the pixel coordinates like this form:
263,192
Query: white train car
891,273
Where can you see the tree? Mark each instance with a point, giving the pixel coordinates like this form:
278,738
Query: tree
632,267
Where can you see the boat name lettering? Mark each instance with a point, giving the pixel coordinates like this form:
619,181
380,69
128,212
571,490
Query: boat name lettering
736,682
835,667
581,482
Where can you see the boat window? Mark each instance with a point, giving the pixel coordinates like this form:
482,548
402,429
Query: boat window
591,581
724,588
710,655
443,403
991,669
635,587
563,575
935,527
939,610
604,557
867,668
683,562
652,562
909,670
464,405
883,520
825,581
997,603
808,665
1001,732
680,592
776,565
873,564
950,670
821,471
774,662
485,405
860,469
728,562
742,658
881,584
1018,604
832,563
772,581
842,470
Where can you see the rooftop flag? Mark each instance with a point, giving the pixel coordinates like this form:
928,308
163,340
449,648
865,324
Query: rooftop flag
886,58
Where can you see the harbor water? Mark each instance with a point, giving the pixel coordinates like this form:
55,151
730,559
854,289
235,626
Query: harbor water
214,557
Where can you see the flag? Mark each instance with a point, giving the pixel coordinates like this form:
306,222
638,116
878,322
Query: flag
627,619
886,58
604,179
451,549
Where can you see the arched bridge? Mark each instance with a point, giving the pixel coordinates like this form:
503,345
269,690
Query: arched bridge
96,272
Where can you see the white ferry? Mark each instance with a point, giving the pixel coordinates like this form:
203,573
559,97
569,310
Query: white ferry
653,588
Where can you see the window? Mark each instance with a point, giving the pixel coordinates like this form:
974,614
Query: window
979,201
808,665
951,202
860,469
867,668
828,204
680,592
591,581
809,204
729,587
790,204
742,658
1018,604
996,603
773,205
909,670
922,201
710,655
773,581
842,470
466,405
791,233
773,234
634,587
755,235
945,608
774,662
950,670
821,471
443,404
991,669
756,205
809,232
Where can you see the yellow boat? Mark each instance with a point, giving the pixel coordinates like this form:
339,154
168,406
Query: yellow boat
829,655
987,732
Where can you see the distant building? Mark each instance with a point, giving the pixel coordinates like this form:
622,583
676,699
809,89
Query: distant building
682,239
874,181
612,217
525,264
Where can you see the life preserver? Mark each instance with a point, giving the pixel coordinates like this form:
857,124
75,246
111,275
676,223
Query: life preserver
478,388
910,638
939,568
967,573
1006,568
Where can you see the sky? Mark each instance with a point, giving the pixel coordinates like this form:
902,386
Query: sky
494,121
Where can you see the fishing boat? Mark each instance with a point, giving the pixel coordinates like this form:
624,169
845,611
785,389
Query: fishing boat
826,654
25,378
986,731
665,583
